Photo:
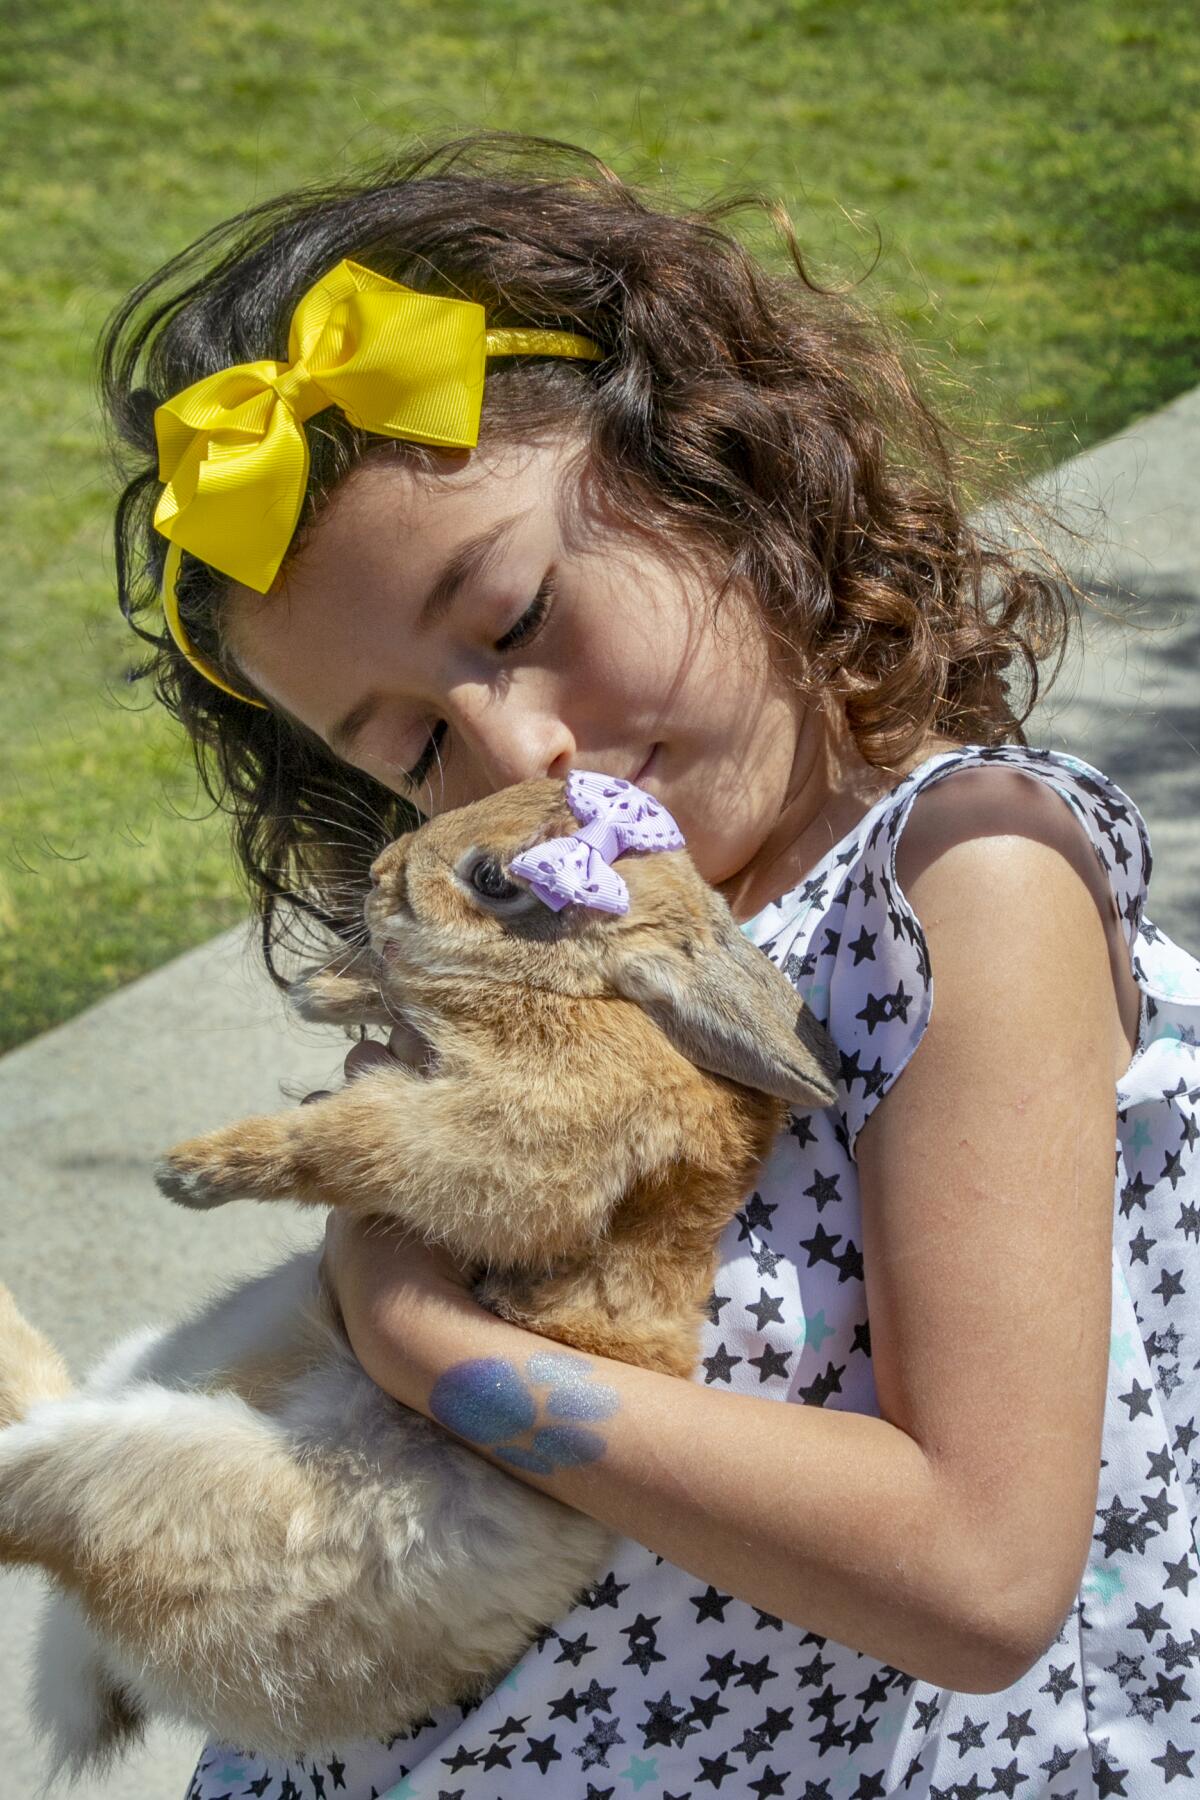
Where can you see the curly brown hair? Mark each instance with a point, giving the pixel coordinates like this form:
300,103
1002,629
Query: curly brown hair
769,418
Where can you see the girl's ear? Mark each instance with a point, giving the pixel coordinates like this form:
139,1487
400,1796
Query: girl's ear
728,1009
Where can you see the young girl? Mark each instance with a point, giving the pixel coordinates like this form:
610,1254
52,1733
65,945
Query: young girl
922,1524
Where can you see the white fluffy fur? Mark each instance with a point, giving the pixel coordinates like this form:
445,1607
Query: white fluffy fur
372,1550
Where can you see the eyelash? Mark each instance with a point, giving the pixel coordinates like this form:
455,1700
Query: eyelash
523,632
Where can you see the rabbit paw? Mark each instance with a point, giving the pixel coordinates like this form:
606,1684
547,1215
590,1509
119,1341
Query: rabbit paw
349,998
242,1163
181,1180
194,1188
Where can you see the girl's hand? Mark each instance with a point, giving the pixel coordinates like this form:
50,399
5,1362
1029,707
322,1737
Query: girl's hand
405,1045
367,1262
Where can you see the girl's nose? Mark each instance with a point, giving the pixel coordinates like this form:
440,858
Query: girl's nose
513,738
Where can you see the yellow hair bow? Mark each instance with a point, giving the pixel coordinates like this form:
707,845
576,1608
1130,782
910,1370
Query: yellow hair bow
232,451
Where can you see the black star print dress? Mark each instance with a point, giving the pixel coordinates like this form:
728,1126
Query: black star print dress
660,1686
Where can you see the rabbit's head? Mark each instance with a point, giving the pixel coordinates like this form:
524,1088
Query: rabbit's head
444,904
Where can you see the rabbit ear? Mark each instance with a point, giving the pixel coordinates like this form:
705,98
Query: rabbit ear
728,1009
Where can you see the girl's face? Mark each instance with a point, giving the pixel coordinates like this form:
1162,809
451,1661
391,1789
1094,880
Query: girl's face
453,634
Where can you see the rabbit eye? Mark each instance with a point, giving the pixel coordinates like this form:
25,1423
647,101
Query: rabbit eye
489,879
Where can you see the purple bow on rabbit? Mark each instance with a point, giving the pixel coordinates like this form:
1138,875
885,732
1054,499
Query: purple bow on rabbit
615,816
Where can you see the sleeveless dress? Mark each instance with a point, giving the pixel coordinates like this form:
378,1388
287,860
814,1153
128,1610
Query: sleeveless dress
660,1686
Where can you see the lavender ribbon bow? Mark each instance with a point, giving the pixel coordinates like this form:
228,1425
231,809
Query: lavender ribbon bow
615,817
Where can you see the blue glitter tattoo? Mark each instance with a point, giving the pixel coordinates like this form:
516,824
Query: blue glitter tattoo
578,1400
530,1460
487,1402
567,1446
544,1367
484,1401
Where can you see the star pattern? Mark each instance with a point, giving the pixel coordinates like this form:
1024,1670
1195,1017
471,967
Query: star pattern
660,1684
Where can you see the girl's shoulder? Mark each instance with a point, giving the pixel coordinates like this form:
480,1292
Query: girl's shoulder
853,946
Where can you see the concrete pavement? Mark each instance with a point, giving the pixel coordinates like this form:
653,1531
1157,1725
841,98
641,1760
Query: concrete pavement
1129,699
90,1249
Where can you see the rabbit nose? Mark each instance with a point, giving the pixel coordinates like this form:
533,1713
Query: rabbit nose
388,877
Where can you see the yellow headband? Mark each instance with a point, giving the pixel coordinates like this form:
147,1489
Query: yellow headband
232,451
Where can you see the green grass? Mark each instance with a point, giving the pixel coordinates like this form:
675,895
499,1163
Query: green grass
1030,169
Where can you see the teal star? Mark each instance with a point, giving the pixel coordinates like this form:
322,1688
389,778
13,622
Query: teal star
813,1329
641,1770
1103,1584
1141,1136
231,1772
403,1790
1171,1033
1120,1349
887,1732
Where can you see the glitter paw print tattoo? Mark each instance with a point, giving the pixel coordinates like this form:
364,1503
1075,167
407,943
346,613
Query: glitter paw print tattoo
541,1421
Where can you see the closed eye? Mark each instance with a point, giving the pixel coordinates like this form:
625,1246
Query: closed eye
523,632
531,620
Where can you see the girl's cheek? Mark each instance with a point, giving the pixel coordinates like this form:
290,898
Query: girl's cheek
381,769
385,756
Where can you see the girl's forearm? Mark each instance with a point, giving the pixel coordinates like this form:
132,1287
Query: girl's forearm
834,1521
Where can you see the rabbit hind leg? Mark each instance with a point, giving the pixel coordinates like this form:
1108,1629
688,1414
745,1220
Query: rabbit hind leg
190,1538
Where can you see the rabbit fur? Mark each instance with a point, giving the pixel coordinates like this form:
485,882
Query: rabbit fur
242,1532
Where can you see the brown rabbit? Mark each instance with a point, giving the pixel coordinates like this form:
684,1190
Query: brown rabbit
243,1532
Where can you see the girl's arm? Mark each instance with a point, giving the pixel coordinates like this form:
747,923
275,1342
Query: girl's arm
947,1537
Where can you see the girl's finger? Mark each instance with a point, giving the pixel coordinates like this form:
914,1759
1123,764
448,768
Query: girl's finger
367,1055
407,1045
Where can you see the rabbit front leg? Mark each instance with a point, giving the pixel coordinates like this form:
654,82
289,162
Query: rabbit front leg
348,992
490,1181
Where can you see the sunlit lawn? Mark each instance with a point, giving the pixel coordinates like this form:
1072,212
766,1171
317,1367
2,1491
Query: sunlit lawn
1030,170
